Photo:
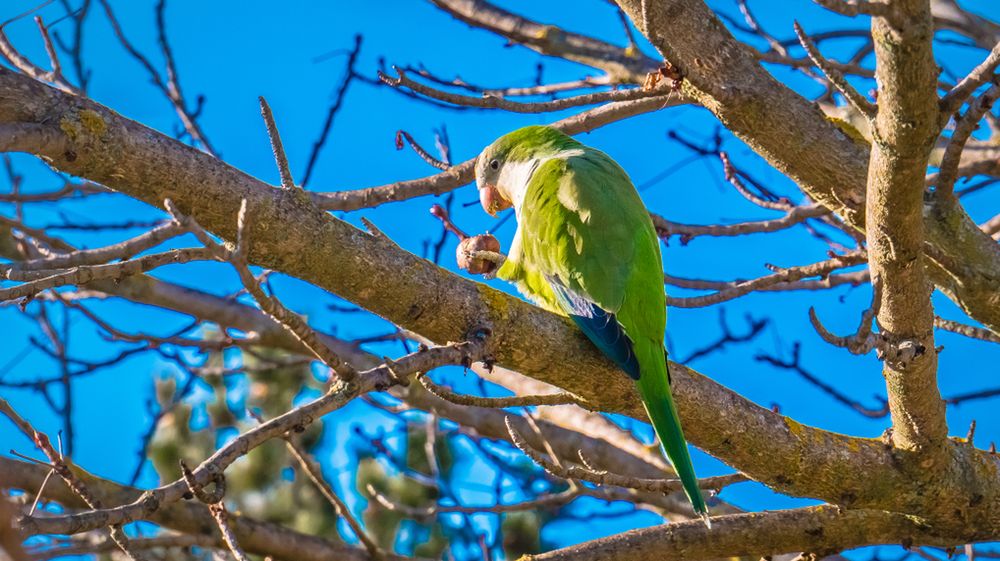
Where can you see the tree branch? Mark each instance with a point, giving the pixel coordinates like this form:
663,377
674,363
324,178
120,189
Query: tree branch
366,270
262,538
814,529
488,101
829,165
905,130
337,396
622,65
464,172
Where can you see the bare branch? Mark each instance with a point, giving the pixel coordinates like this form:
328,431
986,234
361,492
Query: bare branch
964,128
9,53
561,398
462,174
489,101
905,129
169,87
574,472
62,548
856,278
751,534
853,8
424,154
279,150
666,228
221,517
733,177
620,64
863,340
981,74
56,76
546,500
44,279
795,365
852,95
193,519
121,250
779,277
269,304
331,112
315,474
970,331
59,465
338,395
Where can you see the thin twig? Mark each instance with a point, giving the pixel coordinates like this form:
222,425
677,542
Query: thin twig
276,146
221,517
970,331
493,102
667,228
733,177
169,87
463,173
50,49
60,465
561,398
44,279
315,474
852,95
779,277
338,101
338,395
606,478
795,365
402,135
268,304
543,501
964,128
853,8
981,74
121,250
862,341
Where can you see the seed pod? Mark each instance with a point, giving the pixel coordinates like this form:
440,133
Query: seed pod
477,266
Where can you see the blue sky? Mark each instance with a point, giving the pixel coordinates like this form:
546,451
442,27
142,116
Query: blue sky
231,52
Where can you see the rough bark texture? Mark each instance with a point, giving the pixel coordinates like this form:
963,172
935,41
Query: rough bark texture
825,529
831,167
939,491
254,536
374,273
906,127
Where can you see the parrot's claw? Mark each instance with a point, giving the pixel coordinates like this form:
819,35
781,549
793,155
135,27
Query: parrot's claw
494,257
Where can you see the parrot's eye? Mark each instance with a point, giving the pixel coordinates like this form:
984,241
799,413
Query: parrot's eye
494,164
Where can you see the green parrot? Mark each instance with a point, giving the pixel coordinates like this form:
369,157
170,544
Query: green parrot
586,248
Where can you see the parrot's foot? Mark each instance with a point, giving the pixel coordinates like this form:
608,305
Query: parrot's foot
494,257
479,255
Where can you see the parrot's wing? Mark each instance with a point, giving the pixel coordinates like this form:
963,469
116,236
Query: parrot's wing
597,238
599,325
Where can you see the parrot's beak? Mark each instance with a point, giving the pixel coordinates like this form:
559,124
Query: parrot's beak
492,200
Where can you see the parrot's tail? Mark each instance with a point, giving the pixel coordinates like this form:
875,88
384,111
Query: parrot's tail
654,388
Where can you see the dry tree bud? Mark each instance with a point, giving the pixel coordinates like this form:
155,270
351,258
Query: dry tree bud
475,265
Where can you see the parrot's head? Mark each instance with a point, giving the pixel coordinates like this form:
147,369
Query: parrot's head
490,165
504,168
